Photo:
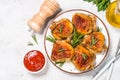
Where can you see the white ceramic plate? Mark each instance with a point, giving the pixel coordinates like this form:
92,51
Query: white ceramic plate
68,66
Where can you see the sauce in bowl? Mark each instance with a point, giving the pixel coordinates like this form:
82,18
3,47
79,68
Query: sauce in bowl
34,61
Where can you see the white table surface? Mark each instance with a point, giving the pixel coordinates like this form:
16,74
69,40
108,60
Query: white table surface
14,37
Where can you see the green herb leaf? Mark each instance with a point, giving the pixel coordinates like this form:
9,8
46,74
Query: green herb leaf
61,29
96,1
76,38
34,38
51,39
30,44
94,41
60,63
100,7
99,29
84,56
61,50
101,4
106,5
88,0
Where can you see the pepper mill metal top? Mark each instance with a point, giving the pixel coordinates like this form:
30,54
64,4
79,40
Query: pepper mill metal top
47,9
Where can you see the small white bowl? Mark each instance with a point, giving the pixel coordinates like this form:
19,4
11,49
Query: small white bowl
30,54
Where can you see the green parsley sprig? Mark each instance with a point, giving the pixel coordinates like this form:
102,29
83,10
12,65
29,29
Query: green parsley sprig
101,4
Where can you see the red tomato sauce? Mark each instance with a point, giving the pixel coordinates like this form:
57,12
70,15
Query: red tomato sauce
34,60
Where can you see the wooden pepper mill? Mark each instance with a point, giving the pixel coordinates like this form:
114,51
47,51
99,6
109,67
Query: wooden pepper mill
47,9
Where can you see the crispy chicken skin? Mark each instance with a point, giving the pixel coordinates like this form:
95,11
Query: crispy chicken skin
82,23
95,42
94,20
83,59
62,29
62,51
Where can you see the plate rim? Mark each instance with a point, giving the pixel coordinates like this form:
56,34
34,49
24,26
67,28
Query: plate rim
106,53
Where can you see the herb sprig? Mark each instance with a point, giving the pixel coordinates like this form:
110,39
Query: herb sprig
94,41
60,63
76,38
84,56
99,29
101,4
51,39
30,43
61,50
35,40
61,29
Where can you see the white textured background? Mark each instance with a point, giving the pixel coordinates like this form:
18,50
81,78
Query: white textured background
14,36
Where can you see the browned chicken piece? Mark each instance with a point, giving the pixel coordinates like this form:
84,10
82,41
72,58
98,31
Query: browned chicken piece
94,27
62,51
82,23
95,42
62,29
83,59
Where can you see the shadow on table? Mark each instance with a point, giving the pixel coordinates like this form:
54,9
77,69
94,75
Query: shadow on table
42,72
